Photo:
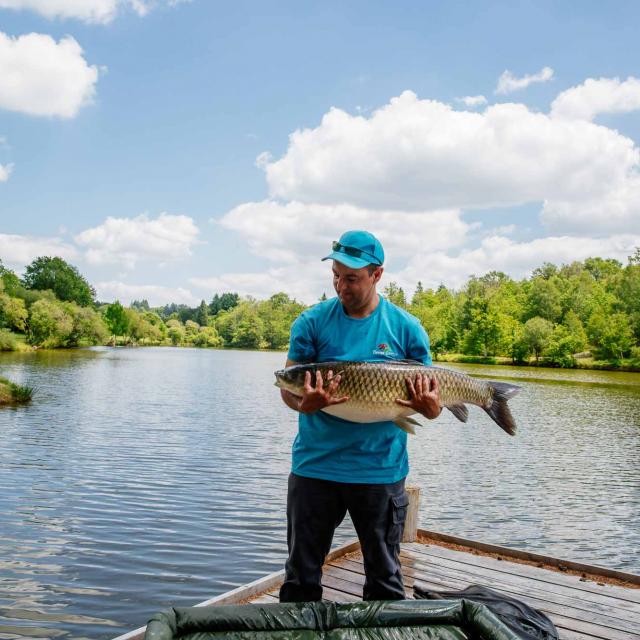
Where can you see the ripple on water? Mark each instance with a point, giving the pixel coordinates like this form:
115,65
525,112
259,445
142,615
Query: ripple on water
140,479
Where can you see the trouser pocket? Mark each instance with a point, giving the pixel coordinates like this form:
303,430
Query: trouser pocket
397,516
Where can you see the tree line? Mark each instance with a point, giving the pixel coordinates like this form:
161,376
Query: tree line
557,316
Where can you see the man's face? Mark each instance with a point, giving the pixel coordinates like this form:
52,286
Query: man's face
355,287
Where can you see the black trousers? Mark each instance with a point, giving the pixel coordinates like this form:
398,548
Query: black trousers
316,507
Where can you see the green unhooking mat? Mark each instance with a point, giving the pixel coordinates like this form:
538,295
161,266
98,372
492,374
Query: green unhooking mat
419,619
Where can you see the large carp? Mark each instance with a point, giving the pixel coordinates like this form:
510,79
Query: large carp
373,387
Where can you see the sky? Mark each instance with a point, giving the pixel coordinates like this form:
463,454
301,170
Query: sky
174,149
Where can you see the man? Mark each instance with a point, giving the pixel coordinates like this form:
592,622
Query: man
338,465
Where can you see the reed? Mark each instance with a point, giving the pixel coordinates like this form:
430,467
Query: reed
12,393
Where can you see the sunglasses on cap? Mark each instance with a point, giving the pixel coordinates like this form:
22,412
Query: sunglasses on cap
352,251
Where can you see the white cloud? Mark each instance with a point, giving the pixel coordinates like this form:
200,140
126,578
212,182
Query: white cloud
18,251
101,11
517,259
305,281
90,11
606,95
126,241
508,83
156,295
287,232
473,101
297,235
409,170
421,155
263,159
5,172
308,278
42,77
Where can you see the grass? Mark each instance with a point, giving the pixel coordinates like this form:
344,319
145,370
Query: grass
12,393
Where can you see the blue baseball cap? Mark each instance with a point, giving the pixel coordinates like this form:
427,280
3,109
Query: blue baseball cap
357,249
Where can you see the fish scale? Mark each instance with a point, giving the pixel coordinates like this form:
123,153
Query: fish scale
373,387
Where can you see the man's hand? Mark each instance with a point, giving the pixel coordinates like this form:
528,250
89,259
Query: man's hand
424,396
316,398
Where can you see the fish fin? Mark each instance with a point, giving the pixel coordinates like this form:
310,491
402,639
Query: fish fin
499,411
406,424
407,362
460,411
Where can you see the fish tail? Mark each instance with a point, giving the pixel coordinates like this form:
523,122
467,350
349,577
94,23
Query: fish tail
498,409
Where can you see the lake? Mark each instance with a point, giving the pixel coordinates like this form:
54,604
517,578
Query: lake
143,478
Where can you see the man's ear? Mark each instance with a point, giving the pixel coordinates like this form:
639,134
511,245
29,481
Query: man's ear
377,274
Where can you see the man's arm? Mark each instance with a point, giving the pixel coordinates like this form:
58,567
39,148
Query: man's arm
315,397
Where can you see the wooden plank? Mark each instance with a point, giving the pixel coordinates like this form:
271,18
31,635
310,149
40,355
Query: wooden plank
628,593
266,598
261,585
339,596
255,588
631,578
606,594
562,622
522,586
588,601
598,625
353,582
569,627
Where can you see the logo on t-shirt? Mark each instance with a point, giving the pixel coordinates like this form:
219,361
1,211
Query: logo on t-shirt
383,349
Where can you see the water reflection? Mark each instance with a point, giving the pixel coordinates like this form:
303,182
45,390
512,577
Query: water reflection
142,478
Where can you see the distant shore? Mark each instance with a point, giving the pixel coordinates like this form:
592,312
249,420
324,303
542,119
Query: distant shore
585,362
580,363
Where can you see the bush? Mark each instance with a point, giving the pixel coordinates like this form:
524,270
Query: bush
8,341
49,324
207,337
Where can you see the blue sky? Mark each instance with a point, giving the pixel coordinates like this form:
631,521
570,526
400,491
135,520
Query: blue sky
154,144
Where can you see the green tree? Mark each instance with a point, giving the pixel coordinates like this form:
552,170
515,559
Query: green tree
202,315
63,279
223,302
175,331
142,327
546,271
611,335
627,290
241,326
544,300
191,329
579,340
10,281
116,319
49,324
395,294
13,313
277,315
88,326
141,305
536,334
512,341
602,268
560,347
207,337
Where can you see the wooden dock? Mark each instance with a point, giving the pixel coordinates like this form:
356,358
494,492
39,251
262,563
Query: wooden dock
584,602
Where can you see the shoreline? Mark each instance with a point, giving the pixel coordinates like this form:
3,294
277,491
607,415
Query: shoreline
585,364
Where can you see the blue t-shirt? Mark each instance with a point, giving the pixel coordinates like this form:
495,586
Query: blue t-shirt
331,448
